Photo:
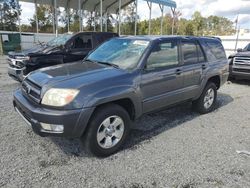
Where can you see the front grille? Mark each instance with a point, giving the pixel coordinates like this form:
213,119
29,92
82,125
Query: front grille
10,62
24,114
31,90
241,70
245,61
14,63
11,56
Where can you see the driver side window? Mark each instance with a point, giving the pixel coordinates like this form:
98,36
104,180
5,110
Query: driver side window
163,55
82,42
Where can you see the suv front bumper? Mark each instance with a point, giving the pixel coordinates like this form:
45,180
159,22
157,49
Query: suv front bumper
239,72
74,121
16,73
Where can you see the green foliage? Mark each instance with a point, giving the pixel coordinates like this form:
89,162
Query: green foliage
9,11
45,17
197,25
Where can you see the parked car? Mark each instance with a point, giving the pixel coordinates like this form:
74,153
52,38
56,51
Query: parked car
63,49
239,64
124,78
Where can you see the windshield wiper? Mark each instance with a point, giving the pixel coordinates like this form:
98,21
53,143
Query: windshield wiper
109,64
104,63
91,61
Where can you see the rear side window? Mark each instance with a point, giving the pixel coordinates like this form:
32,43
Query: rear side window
217,49
192,52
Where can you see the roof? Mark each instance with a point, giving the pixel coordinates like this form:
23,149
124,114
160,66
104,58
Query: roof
168,3
111,6
156,37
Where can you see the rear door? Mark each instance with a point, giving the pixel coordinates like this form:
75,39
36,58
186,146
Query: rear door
194,66
161,79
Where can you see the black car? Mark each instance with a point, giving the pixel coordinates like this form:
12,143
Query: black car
63,49
240,64
98,99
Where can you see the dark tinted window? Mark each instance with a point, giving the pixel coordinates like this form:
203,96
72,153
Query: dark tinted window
189,51
216,49
83,41
192,52
163,55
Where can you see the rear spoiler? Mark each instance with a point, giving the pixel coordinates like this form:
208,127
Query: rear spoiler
218,38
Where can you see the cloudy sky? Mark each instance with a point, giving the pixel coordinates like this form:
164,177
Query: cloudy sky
226,8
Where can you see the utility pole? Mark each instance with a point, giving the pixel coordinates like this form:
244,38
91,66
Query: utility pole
236,23
237,38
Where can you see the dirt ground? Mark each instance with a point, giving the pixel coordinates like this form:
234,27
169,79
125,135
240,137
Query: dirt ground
171,148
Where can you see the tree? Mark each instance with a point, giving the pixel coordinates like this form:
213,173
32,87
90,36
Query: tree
44,17
218,26
189,30
128,20
9,11
175,19
110,27
198,23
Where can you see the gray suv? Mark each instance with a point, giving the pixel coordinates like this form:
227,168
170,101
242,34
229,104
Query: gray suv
98,99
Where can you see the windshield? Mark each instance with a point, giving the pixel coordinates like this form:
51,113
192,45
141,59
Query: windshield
122,52
247,48
60,40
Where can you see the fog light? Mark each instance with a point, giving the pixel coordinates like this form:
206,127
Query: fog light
52,128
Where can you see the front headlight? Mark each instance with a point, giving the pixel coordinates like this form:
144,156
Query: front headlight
59,97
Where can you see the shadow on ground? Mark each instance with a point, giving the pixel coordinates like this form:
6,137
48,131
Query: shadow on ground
147,127
240,82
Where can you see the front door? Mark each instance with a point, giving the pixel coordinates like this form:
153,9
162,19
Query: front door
162,76
79,48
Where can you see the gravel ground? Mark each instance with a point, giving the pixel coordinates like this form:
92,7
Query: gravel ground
172,148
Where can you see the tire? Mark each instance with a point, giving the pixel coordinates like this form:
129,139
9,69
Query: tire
203,105
110,140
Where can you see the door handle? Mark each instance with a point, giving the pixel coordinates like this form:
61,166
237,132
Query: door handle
204,66
178,71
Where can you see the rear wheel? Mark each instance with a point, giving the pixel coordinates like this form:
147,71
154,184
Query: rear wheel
207,100
107,130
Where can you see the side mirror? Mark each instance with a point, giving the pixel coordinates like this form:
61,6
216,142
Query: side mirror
239,50
67,49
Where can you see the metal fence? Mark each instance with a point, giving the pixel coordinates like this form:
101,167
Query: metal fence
28,40
231,45
229,42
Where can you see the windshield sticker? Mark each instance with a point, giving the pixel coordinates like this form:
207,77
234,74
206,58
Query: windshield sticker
141,42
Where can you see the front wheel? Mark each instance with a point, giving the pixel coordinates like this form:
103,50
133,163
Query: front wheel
207,100
107,130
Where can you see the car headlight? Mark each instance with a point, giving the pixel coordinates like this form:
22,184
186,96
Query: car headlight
59,97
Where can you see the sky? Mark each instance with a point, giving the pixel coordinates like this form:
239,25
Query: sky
227,8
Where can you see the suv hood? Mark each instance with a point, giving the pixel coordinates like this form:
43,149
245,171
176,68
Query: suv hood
243,53
37,50
78,73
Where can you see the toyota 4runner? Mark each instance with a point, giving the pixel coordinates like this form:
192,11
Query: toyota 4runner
124,78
